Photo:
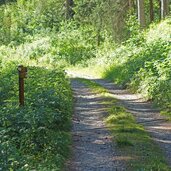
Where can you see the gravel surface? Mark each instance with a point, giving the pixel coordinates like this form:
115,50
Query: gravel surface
93,149
147,115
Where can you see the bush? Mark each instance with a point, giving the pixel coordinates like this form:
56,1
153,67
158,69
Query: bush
145,66
35,136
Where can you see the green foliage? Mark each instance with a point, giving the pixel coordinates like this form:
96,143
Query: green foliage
37,135
143,64
74,44
103,16
36,33
53,48
17,20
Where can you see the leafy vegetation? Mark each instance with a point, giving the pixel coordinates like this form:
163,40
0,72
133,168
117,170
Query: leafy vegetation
49,35
146,67
142,64
36,136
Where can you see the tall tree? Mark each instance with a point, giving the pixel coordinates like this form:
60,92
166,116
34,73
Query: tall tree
141,13
69,9
132,4
159,1
151,11
164,8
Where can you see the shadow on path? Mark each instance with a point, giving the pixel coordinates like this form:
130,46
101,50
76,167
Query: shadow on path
157,125
93,149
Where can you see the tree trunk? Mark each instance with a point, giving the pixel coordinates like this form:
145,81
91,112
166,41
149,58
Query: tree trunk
141,13
159,9
69,10
130,3
164,8
151,11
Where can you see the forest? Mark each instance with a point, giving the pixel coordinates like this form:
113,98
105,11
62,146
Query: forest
126,42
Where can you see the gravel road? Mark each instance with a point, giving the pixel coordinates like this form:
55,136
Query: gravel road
93,149
144,112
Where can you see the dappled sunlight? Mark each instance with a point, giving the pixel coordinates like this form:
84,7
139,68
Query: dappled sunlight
162,127
63,43
143,111
163,141
91,138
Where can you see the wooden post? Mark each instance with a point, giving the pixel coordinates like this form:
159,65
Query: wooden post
22,71
21,91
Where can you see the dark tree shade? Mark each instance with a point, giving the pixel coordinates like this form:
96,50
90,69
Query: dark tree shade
151,11
69,9
6,1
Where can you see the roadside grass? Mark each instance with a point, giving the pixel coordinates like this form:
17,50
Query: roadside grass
130,137
81,71
93,85
166,113
134,141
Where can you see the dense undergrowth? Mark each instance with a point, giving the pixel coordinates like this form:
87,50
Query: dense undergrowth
36,136
142,63
37,34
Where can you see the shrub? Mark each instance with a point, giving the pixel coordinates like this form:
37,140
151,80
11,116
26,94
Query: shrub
35,136
145,66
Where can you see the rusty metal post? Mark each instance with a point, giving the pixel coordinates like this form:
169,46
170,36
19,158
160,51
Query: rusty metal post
22,71
21,91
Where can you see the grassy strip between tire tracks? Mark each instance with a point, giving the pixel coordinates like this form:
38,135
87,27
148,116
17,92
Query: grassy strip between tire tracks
130,137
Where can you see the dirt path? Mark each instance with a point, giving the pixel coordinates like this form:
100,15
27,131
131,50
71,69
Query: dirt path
146,114
93,149
157,125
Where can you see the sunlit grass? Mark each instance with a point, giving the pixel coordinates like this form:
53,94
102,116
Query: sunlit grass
134,141
93,85
87,72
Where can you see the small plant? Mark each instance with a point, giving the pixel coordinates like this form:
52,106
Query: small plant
123,142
